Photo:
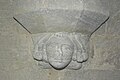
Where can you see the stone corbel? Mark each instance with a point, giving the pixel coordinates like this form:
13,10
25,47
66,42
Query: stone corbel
60,36
61,50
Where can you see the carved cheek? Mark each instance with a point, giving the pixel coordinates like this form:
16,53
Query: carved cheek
52,52
67,52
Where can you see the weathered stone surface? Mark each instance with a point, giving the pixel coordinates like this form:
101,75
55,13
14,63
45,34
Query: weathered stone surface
61,20
11,57
102,30
106,53
113,7
65,16
16,62
52,19
92,75
6,8
23,6
114,24
61,50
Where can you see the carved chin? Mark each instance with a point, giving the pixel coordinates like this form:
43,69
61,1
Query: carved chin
59,65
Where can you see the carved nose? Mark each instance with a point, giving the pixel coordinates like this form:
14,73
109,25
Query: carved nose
59,52
59,63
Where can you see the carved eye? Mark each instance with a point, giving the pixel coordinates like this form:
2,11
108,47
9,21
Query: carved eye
51,47
66,48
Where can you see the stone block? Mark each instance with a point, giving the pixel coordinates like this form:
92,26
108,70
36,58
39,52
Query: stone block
92,75
106,53
113,27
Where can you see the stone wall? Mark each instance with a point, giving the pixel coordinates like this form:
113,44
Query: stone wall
16,62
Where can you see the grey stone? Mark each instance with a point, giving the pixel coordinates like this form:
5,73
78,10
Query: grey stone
92,75
56,18
6,9
61,50
102,30
114,24
23,6
102,65
105,56
57,21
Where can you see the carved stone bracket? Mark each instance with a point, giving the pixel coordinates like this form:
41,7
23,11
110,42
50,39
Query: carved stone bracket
61,50
64,28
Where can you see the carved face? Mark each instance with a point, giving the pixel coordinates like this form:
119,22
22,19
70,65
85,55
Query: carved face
59,51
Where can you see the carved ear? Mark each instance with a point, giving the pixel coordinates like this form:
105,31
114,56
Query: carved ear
39,52
81,53
85,56
74,65
81,56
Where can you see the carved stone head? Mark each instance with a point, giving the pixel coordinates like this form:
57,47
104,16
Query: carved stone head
59,50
